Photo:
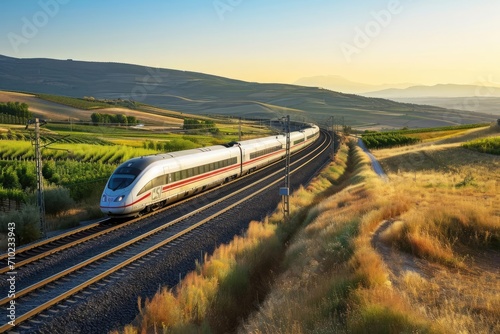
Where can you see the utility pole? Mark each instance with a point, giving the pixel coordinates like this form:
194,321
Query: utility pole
285,191
39,175
239,130
332,127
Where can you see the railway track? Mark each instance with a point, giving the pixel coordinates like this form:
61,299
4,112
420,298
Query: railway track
49,291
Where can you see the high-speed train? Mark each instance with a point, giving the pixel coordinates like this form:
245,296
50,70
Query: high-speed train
142,184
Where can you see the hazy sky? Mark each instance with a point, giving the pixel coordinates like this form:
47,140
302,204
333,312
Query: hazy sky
390,41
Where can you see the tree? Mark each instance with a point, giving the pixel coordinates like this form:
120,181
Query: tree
190,124
121,119
96,118
131,120
347,130
19,111
10,180
27,177
48,169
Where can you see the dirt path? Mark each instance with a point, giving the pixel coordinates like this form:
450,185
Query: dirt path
465,299
375,164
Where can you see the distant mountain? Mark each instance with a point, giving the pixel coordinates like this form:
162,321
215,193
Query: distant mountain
485,105
198,93
440,91
341,84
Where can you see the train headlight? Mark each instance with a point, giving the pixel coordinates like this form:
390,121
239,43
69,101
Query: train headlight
119,198
104,198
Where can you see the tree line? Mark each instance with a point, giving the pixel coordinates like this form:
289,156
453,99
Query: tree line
199,125
15,112
98,118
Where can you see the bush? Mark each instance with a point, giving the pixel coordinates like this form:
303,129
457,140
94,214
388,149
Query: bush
27,223
57,200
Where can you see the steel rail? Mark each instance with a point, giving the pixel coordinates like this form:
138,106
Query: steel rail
69,233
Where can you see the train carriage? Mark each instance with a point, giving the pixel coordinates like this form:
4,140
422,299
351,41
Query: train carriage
142,184
261,152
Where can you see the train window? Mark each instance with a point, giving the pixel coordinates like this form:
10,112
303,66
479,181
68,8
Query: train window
176,176
128,171
298,141
183,174
120,181
264,152
159,181
147,187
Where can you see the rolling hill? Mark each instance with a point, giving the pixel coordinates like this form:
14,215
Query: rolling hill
441,91
341,84
198,93
481,97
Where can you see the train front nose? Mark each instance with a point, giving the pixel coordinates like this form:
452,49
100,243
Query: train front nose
112,204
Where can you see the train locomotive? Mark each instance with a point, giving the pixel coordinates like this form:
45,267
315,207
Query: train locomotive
146,183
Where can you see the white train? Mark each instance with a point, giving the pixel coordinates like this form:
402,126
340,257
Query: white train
143,184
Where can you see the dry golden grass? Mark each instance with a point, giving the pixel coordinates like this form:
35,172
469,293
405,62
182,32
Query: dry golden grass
445,201
332,270
453,219
454,199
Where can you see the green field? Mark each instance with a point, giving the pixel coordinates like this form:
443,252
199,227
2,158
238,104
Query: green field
404,137
74,102
486,145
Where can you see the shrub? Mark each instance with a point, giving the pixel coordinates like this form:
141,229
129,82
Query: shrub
57,200
27,222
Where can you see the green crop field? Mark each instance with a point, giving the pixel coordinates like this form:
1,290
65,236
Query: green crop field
74,102
388,139
486,145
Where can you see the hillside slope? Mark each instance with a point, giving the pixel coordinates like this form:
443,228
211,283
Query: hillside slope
440,91
198,93
58,112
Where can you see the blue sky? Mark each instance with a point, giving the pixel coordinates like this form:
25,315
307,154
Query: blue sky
419,41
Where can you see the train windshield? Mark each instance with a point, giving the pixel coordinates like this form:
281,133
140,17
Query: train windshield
122,178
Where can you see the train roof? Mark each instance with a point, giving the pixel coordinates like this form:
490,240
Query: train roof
144,161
